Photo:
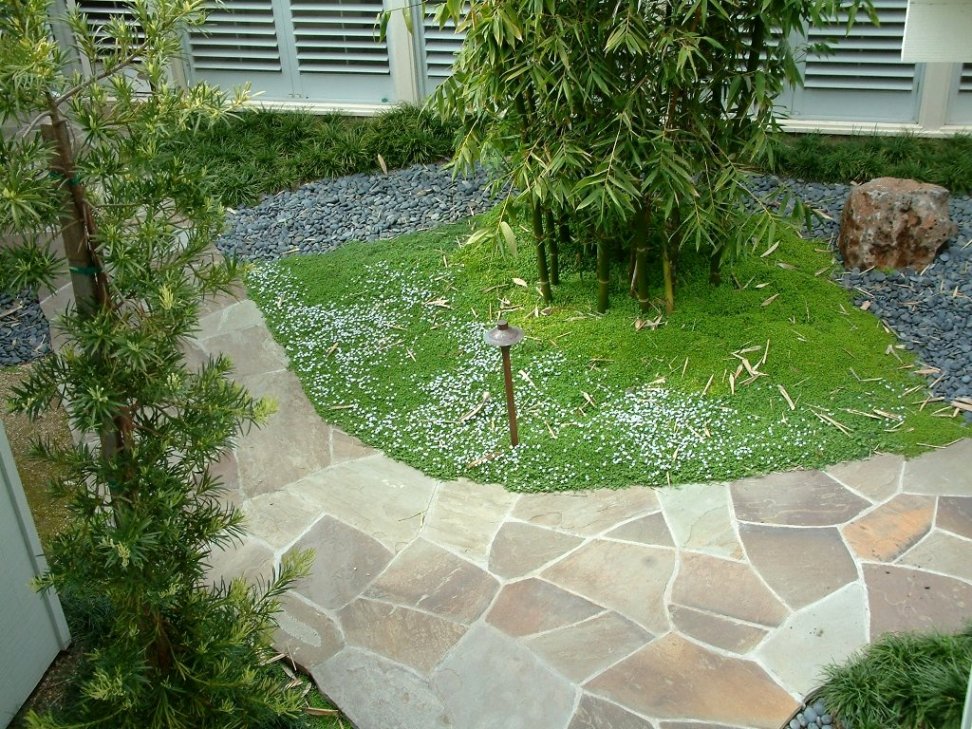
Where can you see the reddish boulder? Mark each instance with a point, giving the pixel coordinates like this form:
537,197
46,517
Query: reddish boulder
893,223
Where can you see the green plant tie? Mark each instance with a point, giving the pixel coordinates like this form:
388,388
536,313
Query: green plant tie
73,180
85,270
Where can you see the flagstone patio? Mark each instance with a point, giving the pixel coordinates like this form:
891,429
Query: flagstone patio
453,604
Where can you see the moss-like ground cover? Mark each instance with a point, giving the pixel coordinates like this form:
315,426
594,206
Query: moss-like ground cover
388,340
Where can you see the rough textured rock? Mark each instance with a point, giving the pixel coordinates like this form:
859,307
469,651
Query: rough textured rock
889,222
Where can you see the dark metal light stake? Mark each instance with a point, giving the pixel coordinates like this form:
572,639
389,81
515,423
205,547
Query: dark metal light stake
504,336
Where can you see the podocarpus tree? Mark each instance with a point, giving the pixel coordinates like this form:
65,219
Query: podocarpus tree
642,116
80,158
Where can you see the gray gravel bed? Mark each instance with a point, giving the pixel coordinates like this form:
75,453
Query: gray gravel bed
931,310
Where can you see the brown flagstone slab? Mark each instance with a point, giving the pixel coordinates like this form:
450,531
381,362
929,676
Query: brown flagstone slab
828,631
428,577
227,470
945,472
534,606
401,634
305,633
716,630
345,562
466,515
942,552
294,443
596,713
252,351
892,528
346,447
877,478
383,498
725,587
251,560
491,681
903,599
674,679
519,548
650,529
278,518
798,498
582,650
376,693
585,512
629,578
955,515
800,565
701,519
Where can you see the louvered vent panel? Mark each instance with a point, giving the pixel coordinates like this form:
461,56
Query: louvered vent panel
965,83
339,37
441,46
869,59
100,13
239,35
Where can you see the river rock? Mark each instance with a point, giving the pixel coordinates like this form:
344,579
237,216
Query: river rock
894,223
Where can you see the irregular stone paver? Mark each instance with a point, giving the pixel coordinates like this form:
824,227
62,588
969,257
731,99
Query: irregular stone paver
252,351
910,599
942,552
426,610
828,631
728,588
377,495
234,316
305,633
799,498
674,679
891,528
227,470
582,650
534,606
430,578
944,472
651,529
522,693
288,447
716,630
700,519
345,562
598,569
277,517
466,516
346,447
586,512
596,713
955,515
876,478
406,636
376,693
251,560
519,549
799,565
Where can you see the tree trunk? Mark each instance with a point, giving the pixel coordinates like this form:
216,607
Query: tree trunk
642,240
554,247
669,276
541,253
88,281
603,275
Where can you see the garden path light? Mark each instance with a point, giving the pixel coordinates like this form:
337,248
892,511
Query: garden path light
504,336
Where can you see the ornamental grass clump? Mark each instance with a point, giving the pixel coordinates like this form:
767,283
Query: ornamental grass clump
81,163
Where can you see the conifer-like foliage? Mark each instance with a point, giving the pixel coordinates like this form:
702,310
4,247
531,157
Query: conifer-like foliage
633,122
79,160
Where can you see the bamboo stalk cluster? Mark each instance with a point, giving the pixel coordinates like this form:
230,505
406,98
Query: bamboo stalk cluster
627,129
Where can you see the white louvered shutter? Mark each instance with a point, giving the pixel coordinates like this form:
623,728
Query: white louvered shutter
241,43
339,37
438,50
960,104
100,13
864,78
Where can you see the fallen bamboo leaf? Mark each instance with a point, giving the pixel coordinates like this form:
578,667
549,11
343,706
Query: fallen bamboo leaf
476,410
761,286
865,306
886,415
441,303
770,250
484,459
332,350
521,282
639,324
590,400
550,430
339,407
786,266
732,384
526,376
685,366
786,396
962,404
273,659
770,300
382,164
316,711
708,384
872,416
